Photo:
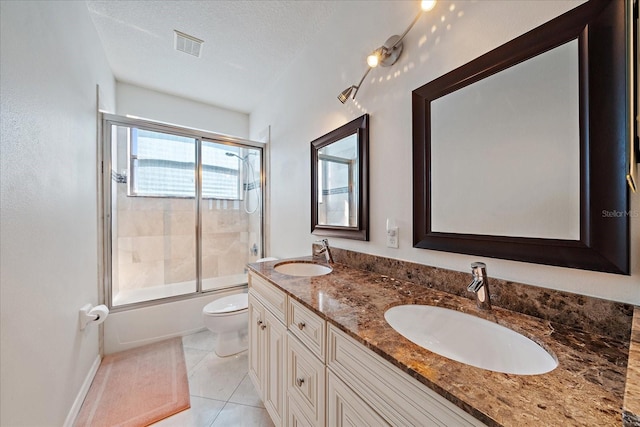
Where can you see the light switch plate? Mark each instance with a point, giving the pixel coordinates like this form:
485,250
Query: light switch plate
392,237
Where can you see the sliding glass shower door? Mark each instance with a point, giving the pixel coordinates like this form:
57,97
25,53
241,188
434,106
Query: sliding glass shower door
183,211
230,212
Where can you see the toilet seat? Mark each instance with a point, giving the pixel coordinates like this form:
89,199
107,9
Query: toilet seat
228,305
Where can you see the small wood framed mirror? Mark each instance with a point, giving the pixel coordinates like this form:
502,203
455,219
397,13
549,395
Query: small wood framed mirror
340,182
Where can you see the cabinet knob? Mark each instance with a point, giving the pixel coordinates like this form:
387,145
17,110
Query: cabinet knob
299,382
259,322
301,325
263,326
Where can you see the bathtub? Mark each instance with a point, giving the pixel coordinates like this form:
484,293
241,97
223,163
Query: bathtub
139,326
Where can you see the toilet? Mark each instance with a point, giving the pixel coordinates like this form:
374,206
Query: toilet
228,318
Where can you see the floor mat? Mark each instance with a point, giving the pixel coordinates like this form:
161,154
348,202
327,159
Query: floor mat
137,387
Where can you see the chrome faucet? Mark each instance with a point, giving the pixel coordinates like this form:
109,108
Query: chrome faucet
480,286
325,250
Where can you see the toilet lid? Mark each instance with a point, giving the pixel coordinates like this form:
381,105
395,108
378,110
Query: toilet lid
227,304
269,258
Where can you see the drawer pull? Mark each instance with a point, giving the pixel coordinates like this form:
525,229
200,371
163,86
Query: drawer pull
299,382
301,325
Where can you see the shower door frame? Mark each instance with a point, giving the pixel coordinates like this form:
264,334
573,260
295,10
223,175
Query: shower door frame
199,136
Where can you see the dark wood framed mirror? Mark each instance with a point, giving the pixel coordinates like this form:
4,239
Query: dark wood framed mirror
521,153
340,181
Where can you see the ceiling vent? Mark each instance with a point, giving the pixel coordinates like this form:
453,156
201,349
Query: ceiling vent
188,44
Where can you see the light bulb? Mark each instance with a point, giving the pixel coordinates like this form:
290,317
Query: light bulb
373,59
427,5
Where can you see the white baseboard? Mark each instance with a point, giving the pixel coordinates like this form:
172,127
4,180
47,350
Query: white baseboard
77,404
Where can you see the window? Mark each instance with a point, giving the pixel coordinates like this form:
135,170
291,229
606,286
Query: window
163,165
220,171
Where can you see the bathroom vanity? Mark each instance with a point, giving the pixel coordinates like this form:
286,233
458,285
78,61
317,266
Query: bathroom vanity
321,353
301,365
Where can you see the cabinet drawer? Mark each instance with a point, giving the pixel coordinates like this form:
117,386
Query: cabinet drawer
398,398
295,416
274,299
308,327
345,408
306,381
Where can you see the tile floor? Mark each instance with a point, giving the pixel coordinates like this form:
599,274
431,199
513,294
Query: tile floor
222,394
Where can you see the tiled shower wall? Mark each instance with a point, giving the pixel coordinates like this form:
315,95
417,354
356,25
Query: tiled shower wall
156,239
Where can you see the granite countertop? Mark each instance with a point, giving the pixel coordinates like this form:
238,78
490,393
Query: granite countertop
587,388
631,414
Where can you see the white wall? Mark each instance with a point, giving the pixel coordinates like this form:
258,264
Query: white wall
302,106
51,62
149,104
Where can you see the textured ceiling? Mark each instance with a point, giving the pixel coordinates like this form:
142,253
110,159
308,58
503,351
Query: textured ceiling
247,44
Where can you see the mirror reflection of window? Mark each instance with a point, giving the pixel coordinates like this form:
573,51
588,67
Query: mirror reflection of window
337,183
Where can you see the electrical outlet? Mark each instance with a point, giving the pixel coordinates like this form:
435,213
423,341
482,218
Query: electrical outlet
392,237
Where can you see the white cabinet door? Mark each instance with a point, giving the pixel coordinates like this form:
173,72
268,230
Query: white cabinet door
274,393
256,347
306,382
267,339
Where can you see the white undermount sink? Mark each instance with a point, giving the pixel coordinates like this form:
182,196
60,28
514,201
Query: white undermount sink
306,269
470,340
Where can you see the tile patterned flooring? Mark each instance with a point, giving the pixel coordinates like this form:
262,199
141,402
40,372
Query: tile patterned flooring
222,394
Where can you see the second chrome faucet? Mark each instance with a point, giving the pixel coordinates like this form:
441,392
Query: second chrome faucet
480,286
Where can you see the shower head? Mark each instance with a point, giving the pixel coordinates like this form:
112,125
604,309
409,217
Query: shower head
241,158
234,155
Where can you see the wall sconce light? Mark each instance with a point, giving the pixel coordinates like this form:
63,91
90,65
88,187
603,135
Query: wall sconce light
387,54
